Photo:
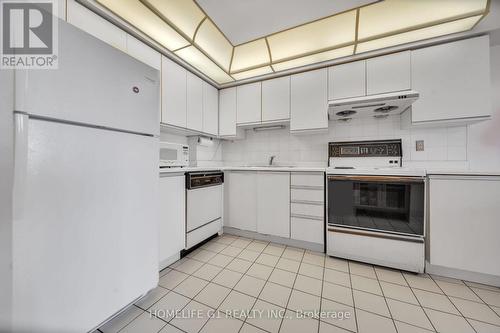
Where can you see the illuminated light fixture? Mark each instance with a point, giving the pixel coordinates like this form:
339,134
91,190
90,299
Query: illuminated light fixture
314,58
200,61
391,17
185,15
420,34
137,14
182,27
269,128
214,43
250,55
334,31
252,73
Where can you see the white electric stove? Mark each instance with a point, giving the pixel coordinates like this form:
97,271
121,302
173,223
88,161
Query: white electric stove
376,208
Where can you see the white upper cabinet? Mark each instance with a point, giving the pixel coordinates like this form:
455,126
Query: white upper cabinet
210,109
453,80
173,110
388,73
347,80
143,52
95,25
276,99
273,203
308,107
194,103
248,106
227,112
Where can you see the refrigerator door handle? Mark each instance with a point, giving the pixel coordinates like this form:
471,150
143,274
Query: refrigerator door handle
20,163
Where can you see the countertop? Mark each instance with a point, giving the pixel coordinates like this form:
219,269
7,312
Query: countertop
436,172
430,172
244,168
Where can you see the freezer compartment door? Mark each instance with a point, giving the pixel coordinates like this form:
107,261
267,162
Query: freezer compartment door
85,231
94,84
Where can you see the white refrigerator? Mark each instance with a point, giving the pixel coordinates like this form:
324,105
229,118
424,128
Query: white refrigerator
85,194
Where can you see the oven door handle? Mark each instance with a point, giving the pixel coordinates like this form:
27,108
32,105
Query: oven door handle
385,179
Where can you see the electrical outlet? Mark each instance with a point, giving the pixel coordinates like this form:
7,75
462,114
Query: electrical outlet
419,145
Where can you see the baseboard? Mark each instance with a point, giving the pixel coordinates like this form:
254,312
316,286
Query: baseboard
488,279
275,239
169,261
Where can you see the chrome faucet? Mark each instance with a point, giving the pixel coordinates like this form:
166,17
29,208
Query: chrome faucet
271,159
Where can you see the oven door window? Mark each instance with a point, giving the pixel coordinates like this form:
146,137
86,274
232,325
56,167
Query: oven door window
395,207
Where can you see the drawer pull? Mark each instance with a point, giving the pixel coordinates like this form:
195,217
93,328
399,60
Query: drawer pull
307,217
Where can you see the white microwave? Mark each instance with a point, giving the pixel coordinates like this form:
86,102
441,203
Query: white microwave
173,155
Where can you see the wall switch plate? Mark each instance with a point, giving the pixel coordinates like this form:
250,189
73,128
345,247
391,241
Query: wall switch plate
419,145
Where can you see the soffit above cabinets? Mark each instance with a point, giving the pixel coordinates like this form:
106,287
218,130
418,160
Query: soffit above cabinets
184,28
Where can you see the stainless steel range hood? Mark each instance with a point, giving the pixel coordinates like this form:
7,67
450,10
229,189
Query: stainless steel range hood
378,106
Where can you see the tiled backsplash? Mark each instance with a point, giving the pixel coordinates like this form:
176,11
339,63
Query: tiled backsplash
444,147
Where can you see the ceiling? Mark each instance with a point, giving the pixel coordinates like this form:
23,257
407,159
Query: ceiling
244,20
280,35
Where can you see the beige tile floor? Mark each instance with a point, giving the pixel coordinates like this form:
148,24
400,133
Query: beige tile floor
223,286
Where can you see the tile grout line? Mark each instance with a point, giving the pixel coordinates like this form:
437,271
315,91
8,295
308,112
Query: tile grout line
449,300
488,305
385,299
291,289
274,268
407,286
352,295
420,304
232,288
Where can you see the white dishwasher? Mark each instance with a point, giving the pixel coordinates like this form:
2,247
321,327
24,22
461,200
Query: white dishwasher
204,195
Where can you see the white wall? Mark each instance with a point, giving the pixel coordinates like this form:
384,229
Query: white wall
205,156
6,177
444,147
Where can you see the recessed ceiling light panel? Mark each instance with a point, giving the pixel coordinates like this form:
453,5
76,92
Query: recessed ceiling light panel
395,16
338,30
137,14
201,62
213,42
314,58
252,73
419,34
250,55
183,14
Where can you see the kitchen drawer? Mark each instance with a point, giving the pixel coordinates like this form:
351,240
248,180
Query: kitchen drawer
307,230
307,209
307,179
302,194
198,235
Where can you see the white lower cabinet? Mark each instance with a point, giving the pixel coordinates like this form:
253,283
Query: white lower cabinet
273,203
464,224
307,192
307,229
172,224
262,201
240,192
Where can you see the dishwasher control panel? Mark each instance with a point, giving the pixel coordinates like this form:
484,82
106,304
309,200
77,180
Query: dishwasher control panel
203,179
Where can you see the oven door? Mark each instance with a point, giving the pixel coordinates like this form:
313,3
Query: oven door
387,204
